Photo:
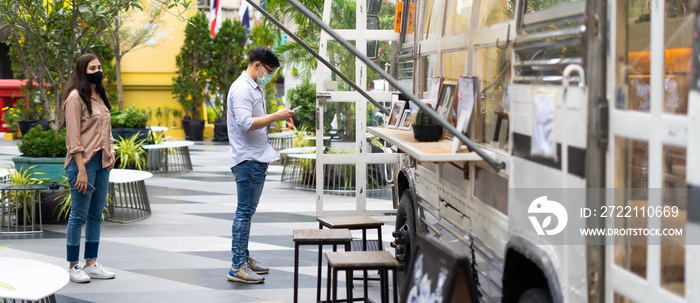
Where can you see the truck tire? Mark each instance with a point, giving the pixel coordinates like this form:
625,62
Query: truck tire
405,231
535,295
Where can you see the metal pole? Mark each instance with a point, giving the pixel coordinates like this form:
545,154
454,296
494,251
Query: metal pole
320,58
309,14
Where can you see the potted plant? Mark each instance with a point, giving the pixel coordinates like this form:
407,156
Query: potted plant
42,152
192,63
14,201
26,111
130,121
129,153
425,129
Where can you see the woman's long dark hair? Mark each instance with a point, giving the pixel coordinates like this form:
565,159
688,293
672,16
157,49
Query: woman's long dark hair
79,82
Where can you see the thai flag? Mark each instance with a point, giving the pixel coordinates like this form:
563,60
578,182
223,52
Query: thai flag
244,16
214,16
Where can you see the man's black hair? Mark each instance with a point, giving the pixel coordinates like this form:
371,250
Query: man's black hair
265,56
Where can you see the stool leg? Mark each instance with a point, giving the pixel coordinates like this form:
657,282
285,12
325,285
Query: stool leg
379,233
396,291
384,285
364,283
348,283
296,272
335,285
364,239
318,279
328,281
364,272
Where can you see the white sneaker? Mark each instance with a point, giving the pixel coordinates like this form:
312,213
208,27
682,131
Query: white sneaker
78,275
96,271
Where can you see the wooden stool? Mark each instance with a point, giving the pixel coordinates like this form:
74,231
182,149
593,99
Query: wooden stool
355,223
318,237
363,260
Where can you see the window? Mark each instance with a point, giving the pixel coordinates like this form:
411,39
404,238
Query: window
495,11
679,28
493,102
633,53
459,13
429,66
537,5
431,17
454,65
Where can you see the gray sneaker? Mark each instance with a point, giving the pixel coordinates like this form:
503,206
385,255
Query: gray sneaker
244,274
257,267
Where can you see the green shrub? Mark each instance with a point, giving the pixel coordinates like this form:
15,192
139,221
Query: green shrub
40,143
130,117
304,95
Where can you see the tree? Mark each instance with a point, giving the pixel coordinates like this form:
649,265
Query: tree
123,38
49,36
192,64
227,60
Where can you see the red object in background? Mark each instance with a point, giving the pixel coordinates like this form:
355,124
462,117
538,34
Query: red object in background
8,88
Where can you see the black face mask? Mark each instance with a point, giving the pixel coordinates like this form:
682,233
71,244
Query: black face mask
94,78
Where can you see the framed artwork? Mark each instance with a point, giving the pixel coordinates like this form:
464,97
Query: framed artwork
395,113
434,272
405,120
445,106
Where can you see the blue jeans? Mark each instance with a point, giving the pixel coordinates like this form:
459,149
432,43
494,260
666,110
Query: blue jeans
86,209
250,178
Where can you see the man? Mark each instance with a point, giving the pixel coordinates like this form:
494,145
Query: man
250,154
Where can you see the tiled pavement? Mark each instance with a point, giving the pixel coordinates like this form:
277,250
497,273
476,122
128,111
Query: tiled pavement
182,252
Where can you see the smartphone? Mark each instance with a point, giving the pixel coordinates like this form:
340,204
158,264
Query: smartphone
90,189
296,108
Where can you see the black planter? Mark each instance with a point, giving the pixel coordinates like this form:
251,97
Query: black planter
50,207
127,132
427,133
26,125
194,129
220,132
186,128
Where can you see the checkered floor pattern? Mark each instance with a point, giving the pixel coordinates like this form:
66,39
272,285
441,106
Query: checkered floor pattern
182,252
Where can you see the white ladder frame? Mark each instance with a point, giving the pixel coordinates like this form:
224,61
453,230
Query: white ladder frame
360,158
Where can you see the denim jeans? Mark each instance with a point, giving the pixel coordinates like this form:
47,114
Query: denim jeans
86,209
250,178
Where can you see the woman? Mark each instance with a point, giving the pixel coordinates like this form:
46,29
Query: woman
89,159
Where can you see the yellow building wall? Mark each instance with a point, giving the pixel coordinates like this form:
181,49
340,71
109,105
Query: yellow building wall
147,72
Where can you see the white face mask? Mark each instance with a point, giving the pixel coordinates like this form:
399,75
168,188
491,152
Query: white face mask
265,78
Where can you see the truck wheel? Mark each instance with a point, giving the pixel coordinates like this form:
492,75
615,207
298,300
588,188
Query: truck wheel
535,295
405,230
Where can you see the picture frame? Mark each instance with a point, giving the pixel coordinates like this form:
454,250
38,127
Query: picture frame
434,87
397,109
445,106
436,269
405,122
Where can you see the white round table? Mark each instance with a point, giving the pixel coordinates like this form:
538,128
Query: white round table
127,188
31,280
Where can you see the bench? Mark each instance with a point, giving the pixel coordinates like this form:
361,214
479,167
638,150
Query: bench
169,157
127,189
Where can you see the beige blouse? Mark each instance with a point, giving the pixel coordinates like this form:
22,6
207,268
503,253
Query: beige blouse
88,133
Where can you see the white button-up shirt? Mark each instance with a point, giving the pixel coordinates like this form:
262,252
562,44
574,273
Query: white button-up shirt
246,101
